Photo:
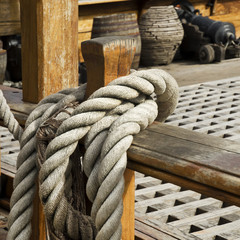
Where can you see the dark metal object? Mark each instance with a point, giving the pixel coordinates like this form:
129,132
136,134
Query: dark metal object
218,32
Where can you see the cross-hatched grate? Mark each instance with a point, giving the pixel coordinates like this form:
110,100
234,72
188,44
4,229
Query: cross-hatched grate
212,108
171,207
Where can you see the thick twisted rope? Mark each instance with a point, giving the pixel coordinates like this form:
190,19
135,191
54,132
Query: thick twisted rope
105,160
111,162
8,118
21,203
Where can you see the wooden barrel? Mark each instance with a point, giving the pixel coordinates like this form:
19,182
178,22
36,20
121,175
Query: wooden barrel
161,34
123,24
3,62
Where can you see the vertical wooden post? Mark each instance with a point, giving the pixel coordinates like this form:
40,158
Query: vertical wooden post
106,59
49,59
49,47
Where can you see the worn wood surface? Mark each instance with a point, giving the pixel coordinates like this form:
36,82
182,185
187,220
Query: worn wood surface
106,59
147,231
90,9
183,213
177,155
9,17
90,2
49,47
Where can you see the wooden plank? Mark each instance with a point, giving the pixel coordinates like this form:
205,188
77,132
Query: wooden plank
180,181
182,208
201,217
85,24
205,164
144,231
49,50
90,2
9,10
49,47
10,28
128,204
213,231
107,8
195,137
169,197
9,17
151,228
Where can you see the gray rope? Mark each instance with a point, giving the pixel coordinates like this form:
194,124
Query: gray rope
25,178
8,119
107,205
108,120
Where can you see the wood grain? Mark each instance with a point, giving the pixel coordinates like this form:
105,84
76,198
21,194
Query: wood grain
49,47
90,2
9,17
106,59
205,160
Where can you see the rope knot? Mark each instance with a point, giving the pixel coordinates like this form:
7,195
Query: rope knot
107,122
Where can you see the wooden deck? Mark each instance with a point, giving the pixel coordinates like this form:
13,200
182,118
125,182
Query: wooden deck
165,210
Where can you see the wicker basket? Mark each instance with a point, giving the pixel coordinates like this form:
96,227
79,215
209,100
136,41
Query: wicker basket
161,34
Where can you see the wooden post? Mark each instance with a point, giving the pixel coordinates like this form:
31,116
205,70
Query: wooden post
49,47
49,60
106,59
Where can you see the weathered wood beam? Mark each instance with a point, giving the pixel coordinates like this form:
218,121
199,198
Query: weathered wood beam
203,163
49,59
49,47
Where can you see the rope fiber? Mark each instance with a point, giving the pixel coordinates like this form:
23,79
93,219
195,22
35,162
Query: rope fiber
107,122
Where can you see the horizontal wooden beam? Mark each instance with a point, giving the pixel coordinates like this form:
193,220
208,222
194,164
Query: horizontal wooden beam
194,160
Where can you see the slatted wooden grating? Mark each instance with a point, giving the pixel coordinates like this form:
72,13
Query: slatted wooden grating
183,213
211,108
9,150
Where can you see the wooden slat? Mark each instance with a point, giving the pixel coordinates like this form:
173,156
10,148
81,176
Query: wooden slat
145,231
211,165
180,181
107,8
10,28
90,2
9,17
183,208
151,229
201,217
211,232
